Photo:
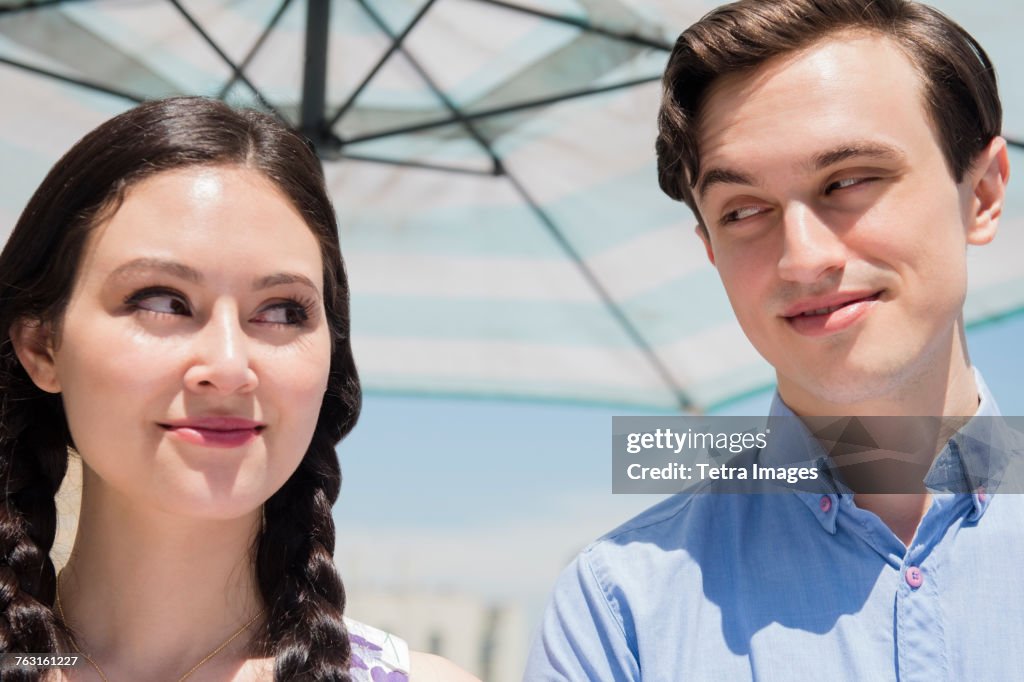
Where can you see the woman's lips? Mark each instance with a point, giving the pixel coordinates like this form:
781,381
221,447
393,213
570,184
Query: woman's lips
216,432
834,318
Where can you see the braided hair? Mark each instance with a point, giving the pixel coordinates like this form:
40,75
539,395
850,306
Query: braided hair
293,555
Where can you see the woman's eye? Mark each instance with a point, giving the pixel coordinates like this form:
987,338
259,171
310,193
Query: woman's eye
291,313
157,301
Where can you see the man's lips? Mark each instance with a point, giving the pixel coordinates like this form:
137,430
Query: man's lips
218,432
830,314
823,305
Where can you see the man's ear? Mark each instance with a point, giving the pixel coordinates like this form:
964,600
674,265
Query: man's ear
702,232
988,176
33,344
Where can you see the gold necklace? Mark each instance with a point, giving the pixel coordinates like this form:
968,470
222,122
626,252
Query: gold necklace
207,657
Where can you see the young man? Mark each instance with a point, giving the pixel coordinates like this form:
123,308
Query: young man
840,156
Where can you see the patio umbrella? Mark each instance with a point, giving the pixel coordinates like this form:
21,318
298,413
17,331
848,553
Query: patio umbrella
492,167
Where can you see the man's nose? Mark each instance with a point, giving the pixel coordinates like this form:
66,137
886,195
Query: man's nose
811,248
221,361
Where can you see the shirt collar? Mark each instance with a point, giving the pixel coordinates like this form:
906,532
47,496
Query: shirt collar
981,450
792,444
974,460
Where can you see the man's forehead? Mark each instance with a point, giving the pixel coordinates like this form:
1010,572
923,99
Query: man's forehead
748,81
825,90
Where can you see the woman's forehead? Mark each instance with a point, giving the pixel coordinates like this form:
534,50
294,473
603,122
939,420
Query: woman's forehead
212,218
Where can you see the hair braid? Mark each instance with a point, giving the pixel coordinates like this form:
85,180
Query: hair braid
297,576
33,462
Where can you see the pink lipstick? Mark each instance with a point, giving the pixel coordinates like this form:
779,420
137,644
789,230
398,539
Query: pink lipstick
215,432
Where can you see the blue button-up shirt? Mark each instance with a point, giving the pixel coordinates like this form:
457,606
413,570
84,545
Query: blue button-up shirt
800,585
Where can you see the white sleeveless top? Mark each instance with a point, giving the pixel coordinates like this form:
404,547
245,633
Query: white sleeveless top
377,656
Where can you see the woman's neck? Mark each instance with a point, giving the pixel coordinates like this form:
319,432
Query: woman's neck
149,594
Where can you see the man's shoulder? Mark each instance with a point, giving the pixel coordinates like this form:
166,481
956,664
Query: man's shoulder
685,520
663,517
675,548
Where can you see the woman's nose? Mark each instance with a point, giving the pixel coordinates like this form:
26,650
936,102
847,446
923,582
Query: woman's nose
221,358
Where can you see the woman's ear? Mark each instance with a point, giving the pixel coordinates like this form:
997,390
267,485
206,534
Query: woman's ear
33,344
988,174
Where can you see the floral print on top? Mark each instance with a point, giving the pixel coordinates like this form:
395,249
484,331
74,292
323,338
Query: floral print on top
376,655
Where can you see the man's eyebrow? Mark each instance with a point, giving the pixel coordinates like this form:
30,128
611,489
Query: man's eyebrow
722,176
169,267
279,278
820,161
874,150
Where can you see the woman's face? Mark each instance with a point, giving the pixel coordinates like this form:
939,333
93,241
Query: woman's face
194,353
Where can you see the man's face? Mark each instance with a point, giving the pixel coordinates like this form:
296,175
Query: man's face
834,221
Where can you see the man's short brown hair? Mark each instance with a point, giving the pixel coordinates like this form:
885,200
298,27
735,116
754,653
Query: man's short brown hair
960,93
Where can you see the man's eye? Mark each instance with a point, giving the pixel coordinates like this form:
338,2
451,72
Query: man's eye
742,214
845,183
159,301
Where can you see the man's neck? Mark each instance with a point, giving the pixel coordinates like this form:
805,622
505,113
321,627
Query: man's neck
932,394
928,393
901,512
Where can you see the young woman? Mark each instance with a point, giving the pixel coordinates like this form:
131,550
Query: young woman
174,311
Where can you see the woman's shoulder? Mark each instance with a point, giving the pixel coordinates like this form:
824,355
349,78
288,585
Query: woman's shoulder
377,655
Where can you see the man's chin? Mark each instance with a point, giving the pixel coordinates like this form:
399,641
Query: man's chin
842,388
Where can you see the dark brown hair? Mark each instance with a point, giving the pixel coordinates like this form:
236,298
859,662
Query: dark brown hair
960,94
293,555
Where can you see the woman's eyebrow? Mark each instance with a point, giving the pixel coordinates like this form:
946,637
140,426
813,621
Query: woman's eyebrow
190,274
169,267
279,278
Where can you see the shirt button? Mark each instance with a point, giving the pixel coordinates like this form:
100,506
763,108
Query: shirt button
825,503
915,577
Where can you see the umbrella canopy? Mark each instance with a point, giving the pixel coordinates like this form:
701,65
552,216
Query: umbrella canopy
492,167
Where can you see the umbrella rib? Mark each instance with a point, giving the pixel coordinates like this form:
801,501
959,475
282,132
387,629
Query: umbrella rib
417,164
682,400
39,4
583,25
454,110
499,111
396,43
73,81
255,48
227,60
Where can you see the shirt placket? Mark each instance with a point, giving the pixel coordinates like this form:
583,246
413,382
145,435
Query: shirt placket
919,622
918,619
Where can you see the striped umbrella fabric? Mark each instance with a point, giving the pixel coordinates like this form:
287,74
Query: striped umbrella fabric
491,164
